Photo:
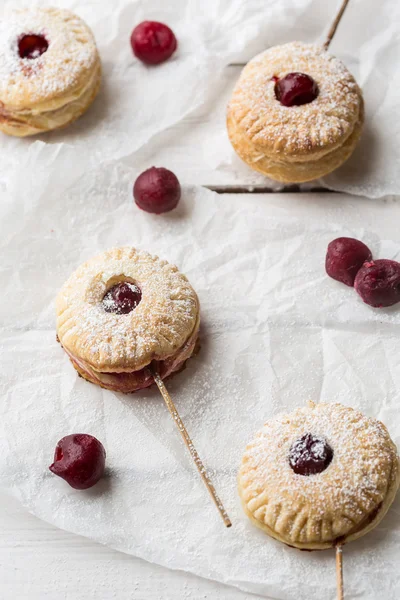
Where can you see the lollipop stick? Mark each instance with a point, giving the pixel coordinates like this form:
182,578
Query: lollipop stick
339,573
335,24
189,445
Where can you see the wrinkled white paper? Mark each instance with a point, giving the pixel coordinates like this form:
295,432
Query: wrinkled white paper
367,42
136,103
276,331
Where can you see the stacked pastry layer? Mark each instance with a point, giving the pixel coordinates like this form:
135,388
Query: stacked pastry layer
113,350
51,89
295,143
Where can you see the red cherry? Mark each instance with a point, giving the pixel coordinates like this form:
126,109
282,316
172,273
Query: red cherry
344,258
378,283
32,46
310,455
80,460
122,298
153,42
157,190
295,89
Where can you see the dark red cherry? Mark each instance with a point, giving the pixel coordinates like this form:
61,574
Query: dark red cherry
378,283
122,298
80,460
157,190
153,42
32,45
295,89
344,258
310,455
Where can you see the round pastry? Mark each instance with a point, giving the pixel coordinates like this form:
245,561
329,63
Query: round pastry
296,113
50,70
319,476
123,310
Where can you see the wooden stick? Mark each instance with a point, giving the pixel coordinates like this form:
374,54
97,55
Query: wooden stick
335,24
339,573
189,445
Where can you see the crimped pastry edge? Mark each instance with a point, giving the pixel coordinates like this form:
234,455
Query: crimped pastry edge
23,123
389,498
287,169
139,339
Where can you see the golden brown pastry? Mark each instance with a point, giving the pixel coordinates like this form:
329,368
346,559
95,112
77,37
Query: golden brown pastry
321,475
296,113
50,70
122,310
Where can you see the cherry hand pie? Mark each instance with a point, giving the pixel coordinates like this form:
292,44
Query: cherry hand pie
296,113
123,310
50,70
321,475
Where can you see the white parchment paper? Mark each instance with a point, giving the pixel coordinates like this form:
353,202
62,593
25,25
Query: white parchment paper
368,43
137,102
276,331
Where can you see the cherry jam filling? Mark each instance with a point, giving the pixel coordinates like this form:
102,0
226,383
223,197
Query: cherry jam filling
296,89
32,45
310,455
122,298
141,377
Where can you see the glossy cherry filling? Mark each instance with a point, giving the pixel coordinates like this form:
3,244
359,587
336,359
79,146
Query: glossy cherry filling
141,379
32,45
122,298
296,89
136,380
129,382
310,455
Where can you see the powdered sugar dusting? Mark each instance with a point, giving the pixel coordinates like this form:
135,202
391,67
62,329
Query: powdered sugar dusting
330,504
71,52
276,331
319,450
155,329
125,304
318,126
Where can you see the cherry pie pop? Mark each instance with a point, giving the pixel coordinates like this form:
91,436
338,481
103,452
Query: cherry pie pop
296,113
50,70
122,311
320,476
